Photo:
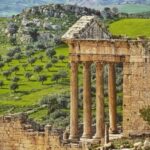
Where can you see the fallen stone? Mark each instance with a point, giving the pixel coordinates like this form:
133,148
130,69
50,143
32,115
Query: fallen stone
138,145
146,144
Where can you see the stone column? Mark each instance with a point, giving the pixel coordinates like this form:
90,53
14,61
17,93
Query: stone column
100,123
87,106
112,98
74,102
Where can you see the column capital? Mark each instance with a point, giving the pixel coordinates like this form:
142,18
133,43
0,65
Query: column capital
87,63
74,62
99,62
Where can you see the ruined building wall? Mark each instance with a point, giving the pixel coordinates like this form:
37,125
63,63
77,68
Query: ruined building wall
136,86
17,134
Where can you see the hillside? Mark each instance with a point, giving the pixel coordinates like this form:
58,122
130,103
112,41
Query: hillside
9,7
24,42
131,27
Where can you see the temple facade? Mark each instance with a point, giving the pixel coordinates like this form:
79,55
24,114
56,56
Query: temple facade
89,42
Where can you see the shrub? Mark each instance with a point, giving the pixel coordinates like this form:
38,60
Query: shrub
32,61
28,75
42,78
62,57
1,83
18,56
15,79
38,69
54,60
145,113
50,53
7,74
15,69
2,65
24,66
8,60
14,87
48,65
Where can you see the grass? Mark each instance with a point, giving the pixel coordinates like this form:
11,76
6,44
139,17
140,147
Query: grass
31,92
131,27
39,115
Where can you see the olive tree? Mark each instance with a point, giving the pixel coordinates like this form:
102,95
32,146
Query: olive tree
14,87
1,83
38,69
2,65
28,75
42,78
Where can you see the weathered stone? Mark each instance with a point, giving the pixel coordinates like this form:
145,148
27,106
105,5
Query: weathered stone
146,144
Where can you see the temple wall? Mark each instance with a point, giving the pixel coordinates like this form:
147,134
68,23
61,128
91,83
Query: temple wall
136,85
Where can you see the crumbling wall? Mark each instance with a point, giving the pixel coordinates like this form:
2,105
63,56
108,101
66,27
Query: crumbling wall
16,133
136,89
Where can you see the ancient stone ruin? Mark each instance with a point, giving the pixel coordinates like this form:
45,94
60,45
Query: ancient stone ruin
89,42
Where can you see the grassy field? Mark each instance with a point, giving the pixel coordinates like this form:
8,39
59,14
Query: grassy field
30,92
131,27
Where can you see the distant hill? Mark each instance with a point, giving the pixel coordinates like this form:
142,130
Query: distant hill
9,7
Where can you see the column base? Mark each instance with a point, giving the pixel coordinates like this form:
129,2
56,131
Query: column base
73,138
98,139
84,137
113,131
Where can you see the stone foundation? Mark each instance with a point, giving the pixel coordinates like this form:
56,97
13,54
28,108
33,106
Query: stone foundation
17,133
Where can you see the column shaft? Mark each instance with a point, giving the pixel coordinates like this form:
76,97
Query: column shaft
112,98
87,110
74,101
100,123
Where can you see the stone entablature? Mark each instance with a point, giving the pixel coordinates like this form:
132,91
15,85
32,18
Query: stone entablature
112,50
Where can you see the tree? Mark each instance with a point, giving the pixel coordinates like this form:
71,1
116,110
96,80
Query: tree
48,65
24,66
15,79
18,56
10,53
54,60
15,69
62,57
40,57
1,58
1,83
63,74
28,75
7,74
42,78
1,65
38,69
115,10
32,61
55,77
50,53
29,53
14,87
8,60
